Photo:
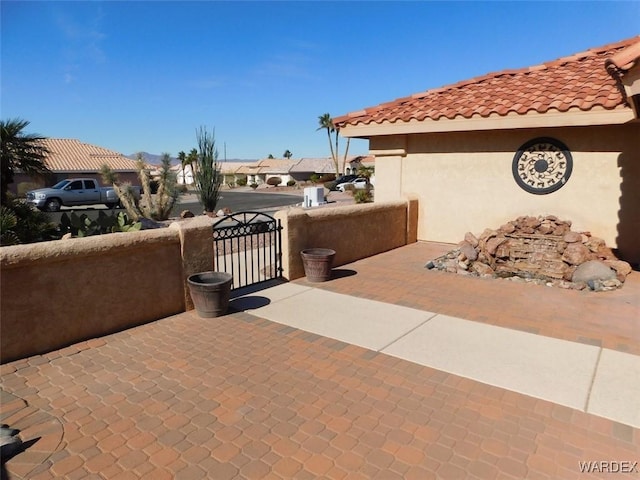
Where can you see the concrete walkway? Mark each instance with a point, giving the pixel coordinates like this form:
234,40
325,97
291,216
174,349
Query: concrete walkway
592,379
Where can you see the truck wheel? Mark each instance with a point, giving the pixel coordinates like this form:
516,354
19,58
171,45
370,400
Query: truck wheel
53,205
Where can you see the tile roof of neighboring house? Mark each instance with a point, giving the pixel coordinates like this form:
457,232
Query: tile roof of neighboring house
314,165
70,155
276,165
579,81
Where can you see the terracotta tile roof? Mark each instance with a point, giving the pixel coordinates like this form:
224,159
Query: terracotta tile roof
70,155
276,165
579,81
314,165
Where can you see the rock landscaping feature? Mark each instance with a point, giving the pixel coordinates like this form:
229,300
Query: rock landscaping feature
542,250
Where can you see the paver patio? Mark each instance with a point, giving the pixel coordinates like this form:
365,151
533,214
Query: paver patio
244,397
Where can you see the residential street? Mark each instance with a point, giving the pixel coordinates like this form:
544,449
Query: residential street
236,200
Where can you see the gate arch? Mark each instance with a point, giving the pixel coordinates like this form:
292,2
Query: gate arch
248,245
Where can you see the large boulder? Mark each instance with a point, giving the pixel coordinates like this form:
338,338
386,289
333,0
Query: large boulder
591,271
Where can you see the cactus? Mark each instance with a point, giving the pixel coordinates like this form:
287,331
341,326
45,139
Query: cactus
156,207
83,226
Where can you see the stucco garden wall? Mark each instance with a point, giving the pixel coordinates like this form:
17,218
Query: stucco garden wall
353,231
58,293
464,182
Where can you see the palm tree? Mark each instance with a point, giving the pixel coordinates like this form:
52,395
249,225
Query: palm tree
287,154
325,121
20,151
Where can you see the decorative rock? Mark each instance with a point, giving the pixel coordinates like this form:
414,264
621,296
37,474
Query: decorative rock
471,239
186,214
561,230
576,253
66,236
621,268
572,237
537,250
469,252
507,228
482,268
493,243
593,271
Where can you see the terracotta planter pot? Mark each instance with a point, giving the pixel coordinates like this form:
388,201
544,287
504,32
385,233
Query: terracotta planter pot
318,263
210,292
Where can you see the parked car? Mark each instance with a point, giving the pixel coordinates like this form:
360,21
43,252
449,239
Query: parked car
72,192
358,184
333,185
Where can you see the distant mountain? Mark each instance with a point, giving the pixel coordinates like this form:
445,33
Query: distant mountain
154,159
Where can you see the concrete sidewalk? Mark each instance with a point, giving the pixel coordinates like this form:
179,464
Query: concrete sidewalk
585,377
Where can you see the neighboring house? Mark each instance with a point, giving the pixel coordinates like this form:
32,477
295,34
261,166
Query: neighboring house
561,138
275,167
306,167
184,175
72,158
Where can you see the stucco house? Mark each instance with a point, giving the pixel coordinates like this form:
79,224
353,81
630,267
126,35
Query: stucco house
561,138
73,158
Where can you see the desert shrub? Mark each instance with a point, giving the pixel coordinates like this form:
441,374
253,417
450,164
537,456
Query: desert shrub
241,182
20,222
315,178
254,185
291,183
362,196
207,175
274,181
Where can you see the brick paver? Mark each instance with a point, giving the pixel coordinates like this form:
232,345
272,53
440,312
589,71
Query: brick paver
242,397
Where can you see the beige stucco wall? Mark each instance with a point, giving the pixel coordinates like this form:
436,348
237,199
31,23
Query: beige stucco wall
464,182
353,231
62,292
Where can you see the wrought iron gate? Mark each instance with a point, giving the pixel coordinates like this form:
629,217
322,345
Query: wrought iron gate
248,245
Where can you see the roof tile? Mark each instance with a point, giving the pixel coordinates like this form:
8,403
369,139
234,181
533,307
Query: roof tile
70,155
578,81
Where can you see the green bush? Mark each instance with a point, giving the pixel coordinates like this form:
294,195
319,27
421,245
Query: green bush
315,178
20,222
274,181
291,183
363,196
254,185
241,182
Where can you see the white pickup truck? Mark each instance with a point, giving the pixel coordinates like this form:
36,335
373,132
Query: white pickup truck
72,192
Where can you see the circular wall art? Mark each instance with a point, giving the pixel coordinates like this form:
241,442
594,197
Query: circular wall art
542,165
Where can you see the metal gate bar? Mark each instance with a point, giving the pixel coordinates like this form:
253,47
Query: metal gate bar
248,245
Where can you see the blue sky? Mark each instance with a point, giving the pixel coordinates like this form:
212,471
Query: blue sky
143,76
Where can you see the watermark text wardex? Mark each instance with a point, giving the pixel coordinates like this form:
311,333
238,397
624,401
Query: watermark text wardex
608,466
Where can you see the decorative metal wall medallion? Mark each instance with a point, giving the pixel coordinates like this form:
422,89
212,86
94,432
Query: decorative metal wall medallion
542,165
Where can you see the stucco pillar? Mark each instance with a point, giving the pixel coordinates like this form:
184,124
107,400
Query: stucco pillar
196,247
294,239
390,153
412,218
